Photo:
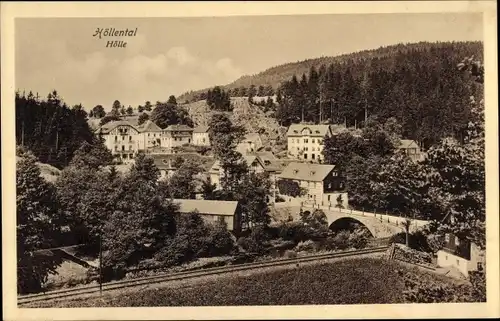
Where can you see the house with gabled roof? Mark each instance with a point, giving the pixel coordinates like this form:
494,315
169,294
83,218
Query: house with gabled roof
323,183
176,135
459,253
200,136
150,135
121,138
213,211
410,148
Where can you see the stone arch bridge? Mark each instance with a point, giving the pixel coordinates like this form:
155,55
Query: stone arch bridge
379,225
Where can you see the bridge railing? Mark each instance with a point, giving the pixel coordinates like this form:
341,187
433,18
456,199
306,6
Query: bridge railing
384,218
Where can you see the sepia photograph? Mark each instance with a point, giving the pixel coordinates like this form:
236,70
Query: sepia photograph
251,160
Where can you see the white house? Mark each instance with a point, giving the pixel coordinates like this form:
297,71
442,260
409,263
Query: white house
459,253
121,138
306,141
176,135
150,135
200,136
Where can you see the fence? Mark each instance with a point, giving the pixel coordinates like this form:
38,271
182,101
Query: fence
384,218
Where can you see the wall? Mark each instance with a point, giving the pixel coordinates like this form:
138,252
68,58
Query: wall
445,259
296,144
333,199
198,139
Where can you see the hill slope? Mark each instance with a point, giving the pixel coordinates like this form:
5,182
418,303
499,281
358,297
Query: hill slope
383,57
245,114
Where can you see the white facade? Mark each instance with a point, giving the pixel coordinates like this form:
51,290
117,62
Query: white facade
307,141
447,259
200,136
121,138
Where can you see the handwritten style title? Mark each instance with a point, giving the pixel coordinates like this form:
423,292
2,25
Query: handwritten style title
112,32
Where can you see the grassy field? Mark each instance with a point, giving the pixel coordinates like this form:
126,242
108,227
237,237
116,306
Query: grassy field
351,281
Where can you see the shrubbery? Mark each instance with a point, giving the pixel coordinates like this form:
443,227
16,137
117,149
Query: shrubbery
417,241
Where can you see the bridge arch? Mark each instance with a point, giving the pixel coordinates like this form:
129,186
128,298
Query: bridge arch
349,223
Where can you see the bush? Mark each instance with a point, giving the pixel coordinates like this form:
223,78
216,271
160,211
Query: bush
410,255
255,242
417,241
307,246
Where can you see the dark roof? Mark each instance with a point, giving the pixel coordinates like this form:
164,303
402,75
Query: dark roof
306,171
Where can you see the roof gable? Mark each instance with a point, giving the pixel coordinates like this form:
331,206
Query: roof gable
308,130
306,171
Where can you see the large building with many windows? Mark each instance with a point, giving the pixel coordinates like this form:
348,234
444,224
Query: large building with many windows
121,138
307,141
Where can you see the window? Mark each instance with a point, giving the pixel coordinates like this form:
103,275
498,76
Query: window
116,138
305,156
313,149
313,156
293,141
203,140
320,141
329,198
457,241
306,148
334,174
130,138
123,137
148,134
306,140
131,156
458,262
312,141
447,238
123,148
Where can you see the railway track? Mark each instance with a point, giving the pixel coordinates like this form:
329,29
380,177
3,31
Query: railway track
68,293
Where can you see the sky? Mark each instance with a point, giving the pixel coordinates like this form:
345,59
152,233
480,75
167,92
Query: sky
169,56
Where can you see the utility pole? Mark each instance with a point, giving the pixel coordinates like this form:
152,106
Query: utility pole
57,140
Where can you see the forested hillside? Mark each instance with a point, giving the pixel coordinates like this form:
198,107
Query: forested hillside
50,129
358,62
417,84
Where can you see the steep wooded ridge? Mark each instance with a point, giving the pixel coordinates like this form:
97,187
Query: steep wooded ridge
358,62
